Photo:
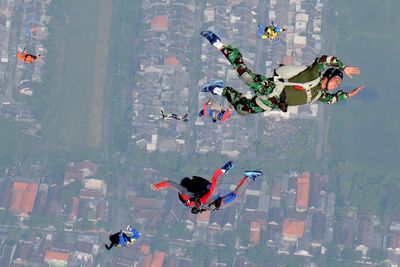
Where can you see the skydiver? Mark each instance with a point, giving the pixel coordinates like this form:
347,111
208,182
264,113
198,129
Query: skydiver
199,194
215,112
25,57
286,87
269,32
174,116
196,191
122,238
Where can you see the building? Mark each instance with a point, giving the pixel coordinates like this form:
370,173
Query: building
73,215
203,218
159,24
255,233
23,197
303,188
158,259
293,229
56,258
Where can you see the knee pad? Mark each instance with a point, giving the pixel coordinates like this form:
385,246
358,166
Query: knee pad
246,78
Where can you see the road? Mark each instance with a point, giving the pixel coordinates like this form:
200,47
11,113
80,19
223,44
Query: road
12,60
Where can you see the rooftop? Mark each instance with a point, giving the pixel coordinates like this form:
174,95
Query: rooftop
303,188
293,228
56,256
23,197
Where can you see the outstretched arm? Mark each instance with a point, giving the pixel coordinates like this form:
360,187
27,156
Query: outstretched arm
328,98
338,96
171,184
108,247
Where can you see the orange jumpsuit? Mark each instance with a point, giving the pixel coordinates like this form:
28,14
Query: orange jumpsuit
28,58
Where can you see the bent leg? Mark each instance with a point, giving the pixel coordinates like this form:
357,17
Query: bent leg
232,197
243,105
236,59
258,83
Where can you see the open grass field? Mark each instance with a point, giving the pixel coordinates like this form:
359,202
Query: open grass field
367,134
77,103
96,118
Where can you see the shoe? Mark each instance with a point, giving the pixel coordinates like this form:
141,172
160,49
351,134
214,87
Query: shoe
135,234
218,83
253,174
211,37
128,227
210,87
229,165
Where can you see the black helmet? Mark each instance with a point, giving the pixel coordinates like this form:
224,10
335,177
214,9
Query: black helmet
185,182
332,72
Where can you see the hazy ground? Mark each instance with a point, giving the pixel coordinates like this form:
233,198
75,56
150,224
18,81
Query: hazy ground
367,134
95,134
71,115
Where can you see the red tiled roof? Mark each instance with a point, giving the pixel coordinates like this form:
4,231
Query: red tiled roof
23,197
74,209
145,249
159,24
75,205
158,259
73,175
303,188
293,228
255,233
147,259
56,256
203,217
287,60
171,61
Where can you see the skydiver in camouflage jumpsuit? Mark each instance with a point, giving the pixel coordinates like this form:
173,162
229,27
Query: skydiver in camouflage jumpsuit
290,95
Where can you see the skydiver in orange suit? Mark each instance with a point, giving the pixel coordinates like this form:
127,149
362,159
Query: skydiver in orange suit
28,58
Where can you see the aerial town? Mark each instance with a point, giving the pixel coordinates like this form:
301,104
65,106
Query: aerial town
64,220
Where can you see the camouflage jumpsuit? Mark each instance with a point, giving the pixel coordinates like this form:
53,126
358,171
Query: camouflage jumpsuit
263,87
260,84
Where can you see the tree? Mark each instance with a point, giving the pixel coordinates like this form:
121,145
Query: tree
85,225
377,255
261,254
7,217
67,192
160,244
14,234
348,254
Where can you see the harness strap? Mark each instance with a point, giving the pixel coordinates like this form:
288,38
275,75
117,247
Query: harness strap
261,104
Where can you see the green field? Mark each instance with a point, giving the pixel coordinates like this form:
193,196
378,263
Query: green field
67,116
367,134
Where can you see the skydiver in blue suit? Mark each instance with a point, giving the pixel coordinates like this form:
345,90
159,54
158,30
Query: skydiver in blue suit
122,238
